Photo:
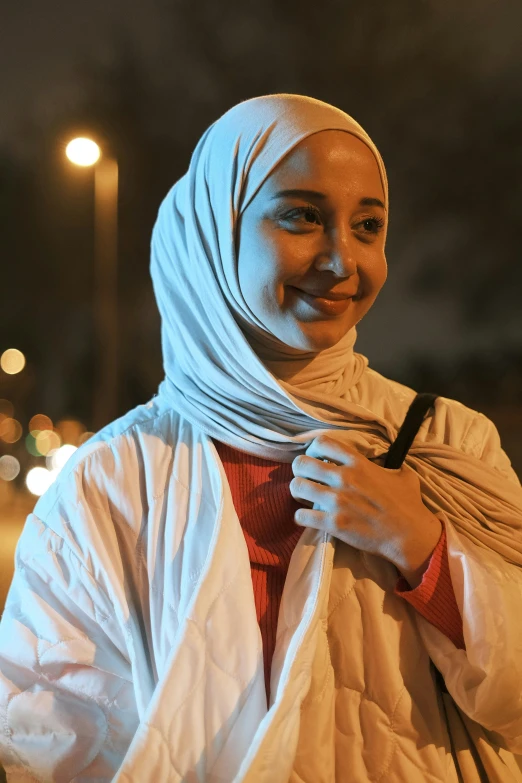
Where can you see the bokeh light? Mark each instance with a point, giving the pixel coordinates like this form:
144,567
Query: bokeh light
12,361
6,409
30,445
39,422
38,480
83,152
85,437
70,431
46,440
58,457
9,467
10,430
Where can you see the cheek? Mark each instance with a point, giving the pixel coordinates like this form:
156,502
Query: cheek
275,264
373,272
382,274
259,271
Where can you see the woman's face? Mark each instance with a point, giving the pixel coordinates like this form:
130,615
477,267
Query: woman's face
317,224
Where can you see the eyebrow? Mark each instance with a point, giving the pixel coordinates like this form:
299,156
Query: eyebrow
298,193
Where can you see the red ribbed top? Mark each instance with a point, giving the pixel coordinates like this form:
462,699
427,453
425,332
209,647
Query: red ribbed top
265,507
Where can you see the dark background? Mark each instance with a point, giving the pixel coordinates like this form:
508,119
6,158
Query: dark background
438,86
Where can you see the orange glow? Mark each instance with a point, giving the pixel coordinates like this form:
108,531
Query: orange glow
6,408
10,430
83,151
40,422
46,441
70,431
12,361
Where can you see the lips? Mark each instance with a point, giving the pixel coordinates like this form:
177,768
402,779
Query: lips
334,296
323,305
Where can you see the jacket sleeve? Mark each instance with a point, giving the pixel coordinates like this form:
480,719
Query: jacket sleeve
66,697
434,598
485,678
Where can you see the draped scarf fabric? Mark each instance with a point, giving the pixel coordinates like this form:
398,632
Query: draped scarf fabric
267,402
267,406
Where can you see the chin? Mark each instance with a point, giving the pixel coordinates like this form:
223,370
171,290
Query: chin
322,338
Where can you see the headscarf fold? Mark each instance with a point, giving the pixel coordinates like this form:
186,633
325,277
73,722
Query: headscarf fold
265,402
262,399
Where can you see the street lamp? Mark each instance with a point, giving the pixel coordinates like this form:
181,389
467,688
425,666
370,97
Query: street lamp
85,152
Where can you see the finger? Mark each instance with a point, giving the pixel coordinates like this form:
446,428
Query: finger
306,517
325,447
304,489
315,469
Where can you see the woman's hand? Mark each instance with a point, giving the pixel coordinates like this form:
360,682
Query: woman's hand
374,509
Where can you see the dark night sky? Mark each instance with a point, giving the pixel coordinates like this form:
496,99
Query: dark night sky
41,44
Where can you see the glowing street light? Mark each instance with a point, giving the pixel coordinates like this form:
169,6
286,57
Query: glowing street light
12,361
85,152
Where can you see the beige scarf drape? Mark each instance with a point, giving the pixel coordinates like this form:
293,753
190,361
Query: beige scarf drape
268,403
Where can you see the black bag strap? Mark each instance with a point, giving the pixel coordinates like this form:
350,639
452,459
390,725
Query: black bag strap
410,426
422,403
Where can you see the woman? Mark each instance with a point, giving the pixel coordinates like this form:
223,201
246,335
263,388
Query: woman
147,635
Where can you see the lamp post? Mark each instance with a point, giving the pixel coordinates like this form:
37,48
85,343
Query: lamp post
85,152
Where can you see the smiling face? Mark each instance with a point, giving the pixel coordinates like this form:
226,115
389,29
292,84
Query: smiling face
317,224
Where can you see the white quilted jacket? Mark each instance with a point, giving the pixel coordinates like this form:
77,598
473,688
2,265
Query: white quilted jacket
130,649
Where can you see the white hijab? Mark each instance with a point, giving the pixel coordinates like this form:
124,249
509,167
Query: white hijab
271,407
275,407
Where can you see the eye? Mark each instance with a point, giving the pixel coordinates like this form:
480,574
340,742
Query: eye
371,225
309,213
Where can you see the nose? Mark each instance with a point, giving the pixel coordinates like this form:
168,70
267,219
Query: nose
339,254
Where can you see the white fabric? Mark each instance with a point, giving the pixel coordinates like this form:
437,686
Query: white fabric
270,406
276,406
130,649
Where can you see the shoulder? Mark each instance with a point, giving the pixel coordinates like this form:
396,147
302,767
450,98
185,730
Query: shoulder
118,471
452,423
97,511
